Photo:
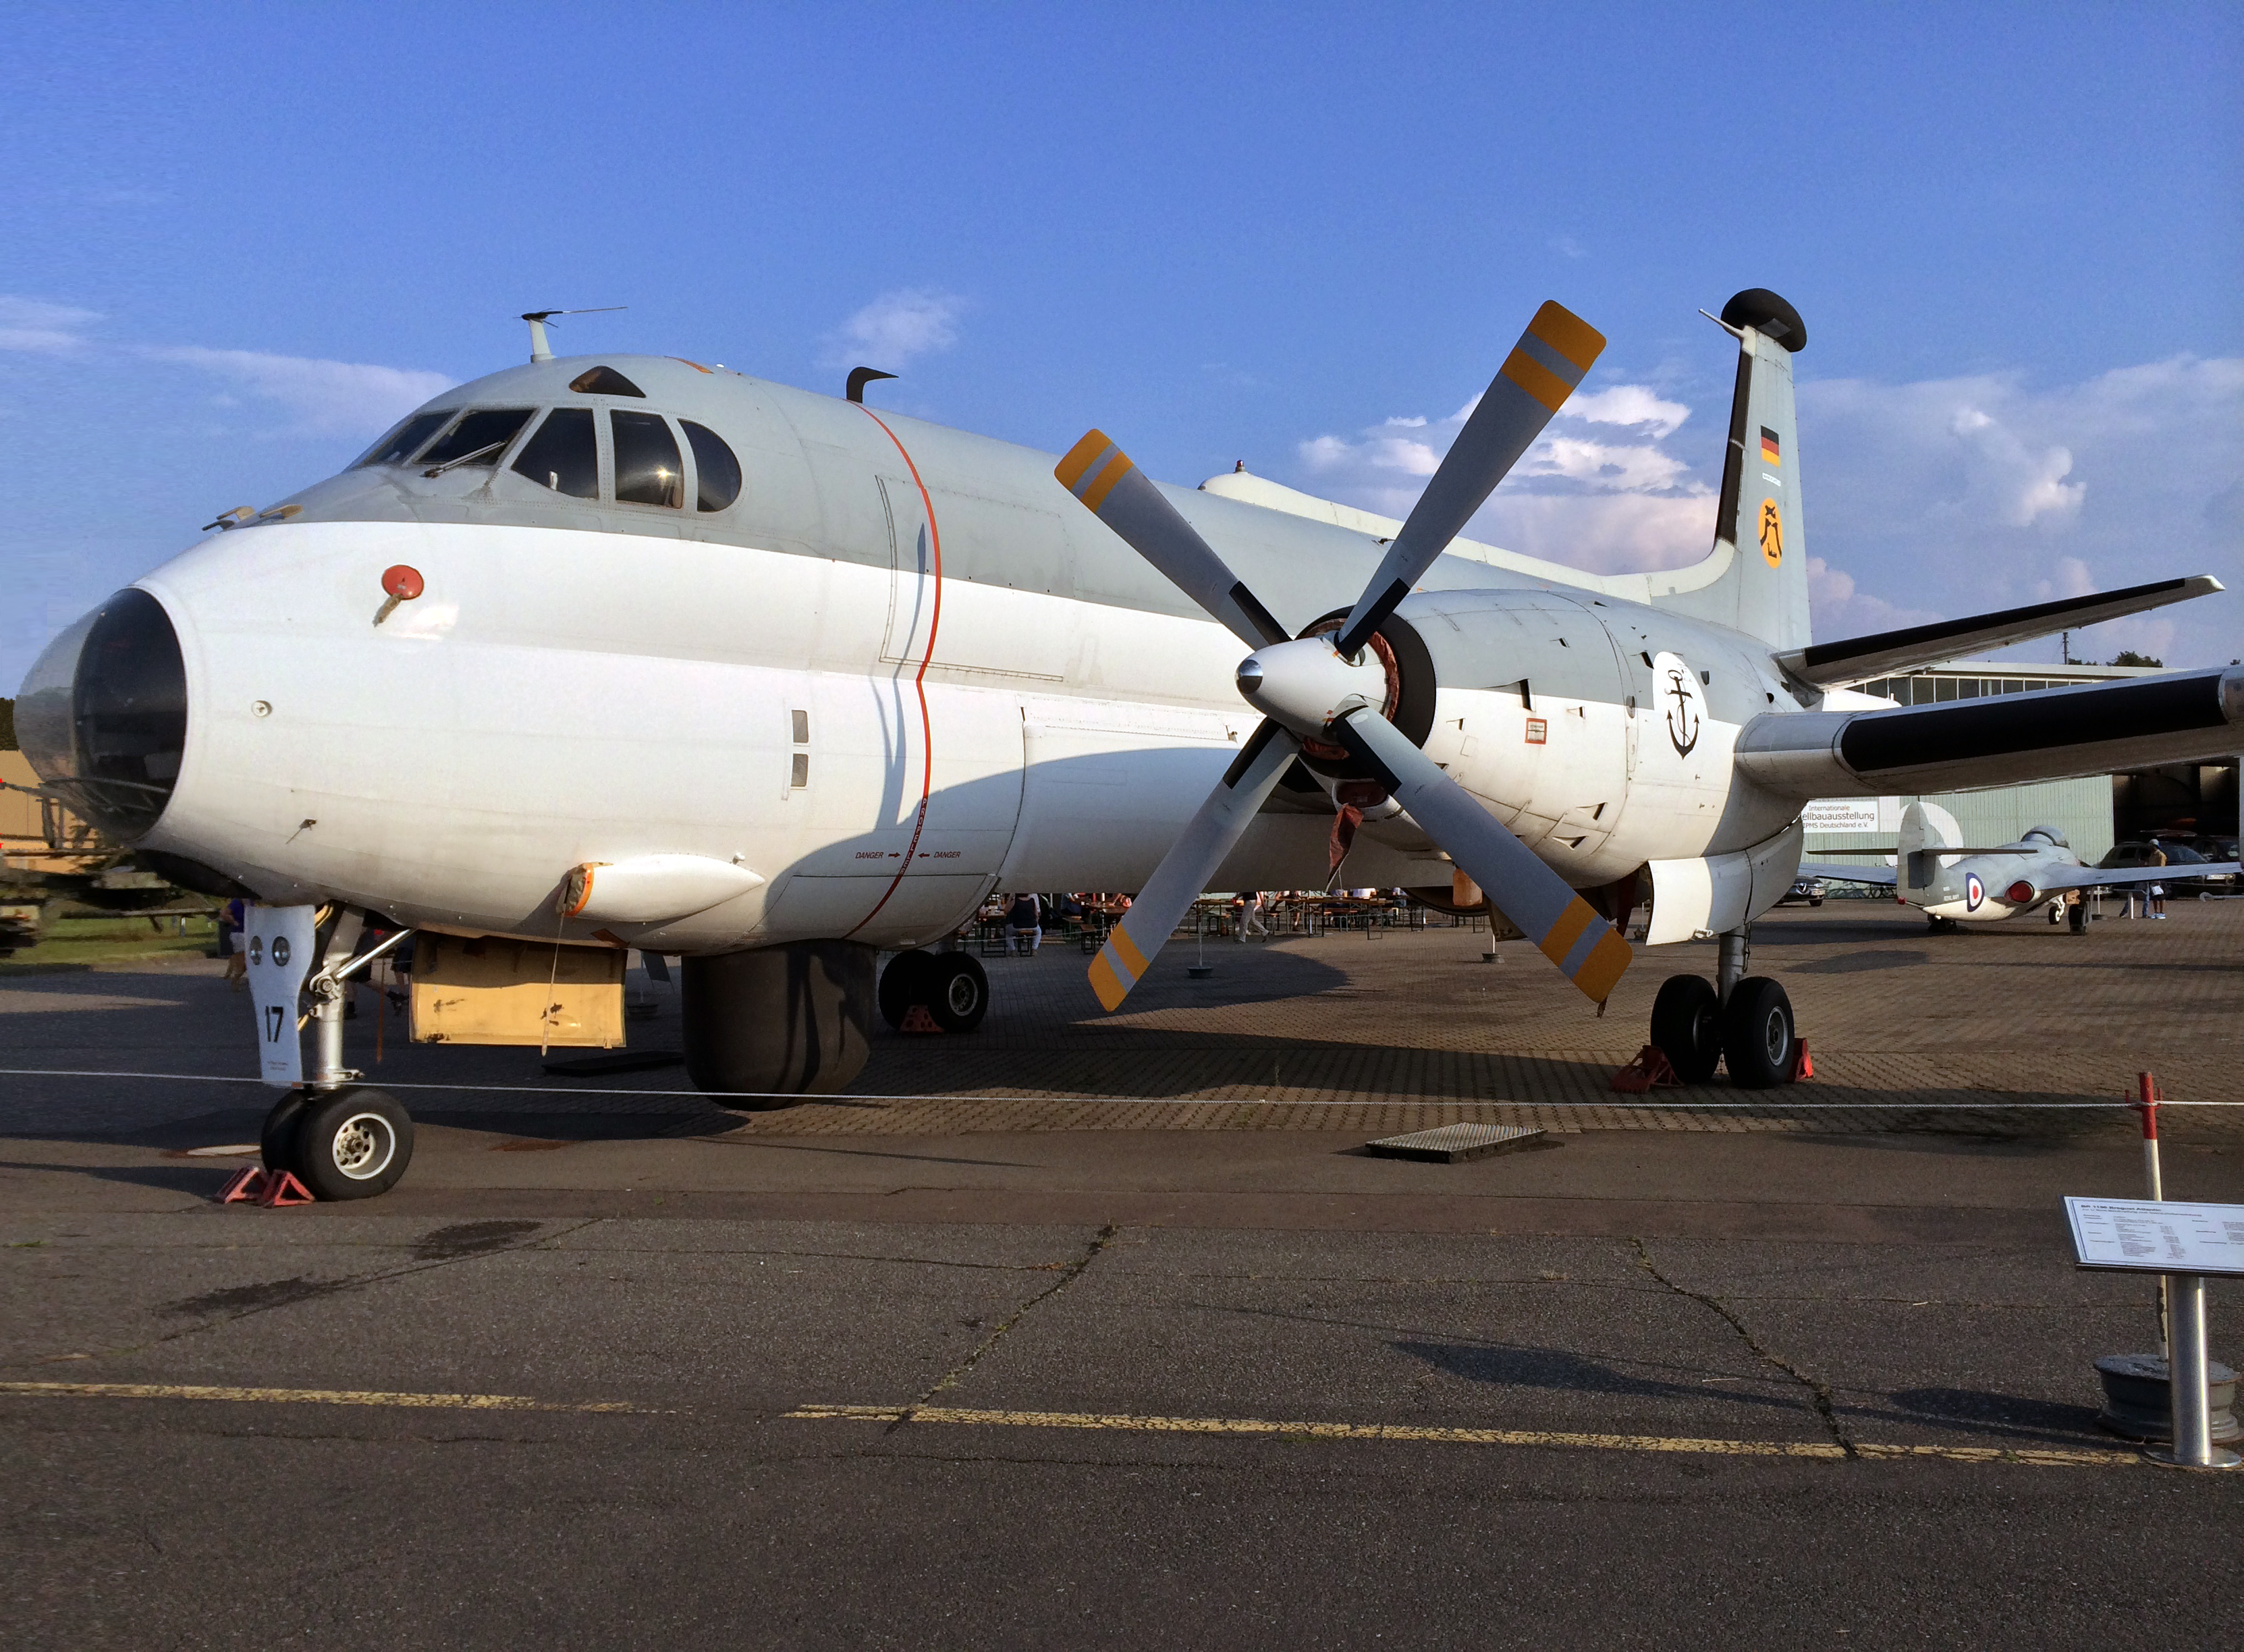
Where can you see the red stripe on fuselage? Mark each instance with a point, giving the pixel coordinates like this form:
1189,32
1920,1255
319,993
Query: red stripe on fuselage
919,681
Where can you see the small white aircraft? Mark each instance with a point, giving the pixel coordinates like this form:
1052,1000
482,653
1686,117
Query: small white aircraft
1952,884
629,651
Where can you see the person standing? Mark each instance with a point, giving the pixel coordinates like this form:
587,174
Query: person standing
231,918
2157,890
1025,922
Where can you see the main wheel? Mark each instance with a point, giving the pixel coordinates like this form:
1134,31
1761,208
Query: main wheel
1686,1025
352,1145
958,992
908,979
276,1143
1758,1041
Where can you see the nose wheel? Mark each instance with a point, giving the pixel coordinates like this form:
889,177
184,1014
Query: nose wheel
349,1144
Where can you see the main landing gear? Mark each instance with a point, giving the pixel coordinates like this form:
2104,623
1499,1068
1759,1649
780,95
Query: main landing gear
950,987
1745,1021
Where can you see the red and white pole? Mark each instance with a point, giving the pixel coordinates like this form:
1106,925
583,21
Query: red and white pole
2147,1103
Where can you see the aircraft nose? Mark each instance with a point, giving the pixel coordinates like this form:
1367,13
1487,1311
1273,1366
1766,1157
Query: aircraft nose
103,716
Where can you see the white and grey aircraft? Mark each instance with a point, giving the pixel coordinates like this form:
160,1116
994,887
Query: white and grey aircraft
1952,884
632,651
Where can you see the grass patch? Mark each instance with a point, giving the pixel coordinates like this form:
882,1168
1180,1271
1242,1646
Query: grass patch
80,943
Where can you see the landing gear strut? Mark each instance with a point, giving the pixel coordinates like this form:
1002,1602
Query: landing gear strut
340,1139
1741,1020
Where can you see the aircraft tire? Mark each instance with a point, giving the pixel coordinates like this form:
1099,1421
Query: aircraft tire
353,1143
276,1143
1687,1027
1758,1038
770,1024
958,992
908,979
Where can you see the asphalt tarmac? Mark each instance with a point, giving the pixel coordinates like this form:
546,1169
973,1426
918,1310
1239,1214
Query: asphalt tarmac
634,1378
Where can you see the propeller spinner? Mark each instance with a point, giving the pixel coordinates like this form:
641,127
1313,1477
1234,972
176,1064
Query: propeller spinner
1324,688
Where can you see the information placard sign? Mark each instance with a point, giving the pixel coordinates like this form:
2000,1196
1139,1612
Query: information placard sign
2151,1235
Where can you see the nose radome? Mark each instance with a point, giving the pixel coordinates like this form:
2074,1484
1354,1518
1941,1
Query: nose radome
103,716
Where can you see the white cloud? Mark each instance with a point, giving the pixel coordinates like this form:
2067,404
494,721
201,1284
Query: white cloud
48,329
328,398
1628,404
1959,495
897,326
1935,499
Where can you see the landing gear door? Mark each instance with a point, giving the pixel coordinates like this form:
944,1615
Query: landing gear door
279,942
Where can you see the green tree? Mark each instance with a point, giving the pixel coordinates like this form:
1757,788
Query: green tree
2128,656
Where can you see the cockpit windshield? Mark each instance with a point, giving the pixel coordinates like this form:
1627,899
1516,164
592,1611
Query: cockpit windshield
478,438
2050,834
563,455
400,444
648,471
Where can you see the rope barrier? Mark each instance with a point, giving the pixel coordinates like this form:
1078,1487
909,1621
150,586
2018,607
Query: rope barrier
1159,1101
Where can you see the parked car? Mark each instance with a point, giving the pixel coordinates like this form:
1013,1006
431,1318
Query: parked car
1808,889
2179,856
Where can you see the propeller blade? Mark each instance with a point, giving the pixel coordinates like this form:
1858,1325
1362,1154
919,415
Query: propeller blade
1534,382
1125,498
1537,900
1191,860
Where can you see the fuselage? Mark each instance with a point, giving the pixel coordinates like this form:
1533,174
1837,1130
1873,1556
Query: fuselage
900,669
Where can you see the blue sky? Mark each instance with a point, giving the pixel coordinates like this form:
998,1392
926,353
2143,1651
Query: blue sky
239,239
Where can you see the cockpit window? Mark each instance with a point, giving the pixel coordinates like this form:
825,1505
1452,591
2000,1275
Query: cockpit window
562,456
2048,833
717,473
397,447
648,471
478,438
604,381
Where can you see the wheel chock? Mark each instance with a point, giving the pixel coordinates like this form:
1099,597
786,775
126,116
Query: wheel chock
1804,1066
1650,1069
916,1019
268,1190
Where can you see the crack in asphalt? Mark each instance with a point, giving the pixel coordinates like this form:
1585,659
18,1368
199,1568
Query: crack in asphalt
1818,1392
1068,1276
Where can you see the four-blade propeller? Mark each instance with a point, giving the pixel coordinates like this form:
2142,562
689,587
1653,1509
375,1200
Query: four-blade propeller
1324,688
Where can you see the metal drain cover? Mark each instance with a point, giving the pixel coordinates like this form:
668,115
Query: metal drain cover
1454,1143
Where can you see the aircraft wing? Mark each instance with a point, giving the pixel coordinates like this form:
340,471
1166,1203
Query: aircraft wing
2108,877
1856,875
1858,659
2182,717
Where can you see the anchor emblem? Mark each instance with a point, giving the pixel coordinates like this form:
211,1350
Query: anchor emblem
1683,720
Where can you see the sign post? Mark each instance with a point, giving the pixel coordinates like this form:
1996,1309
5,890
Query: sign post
2184,1242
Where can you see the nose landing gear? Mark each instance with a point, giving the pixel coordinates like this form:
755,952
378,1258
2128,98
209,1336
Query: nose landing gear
1742,1020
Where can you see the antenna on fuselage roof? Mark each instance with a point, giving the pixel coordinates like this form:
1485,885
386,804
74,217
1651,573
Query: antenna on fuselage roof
541,351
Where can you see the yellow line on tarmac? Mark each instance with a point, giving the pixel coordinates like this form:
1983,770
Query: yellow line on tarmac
301,1396
1818,1449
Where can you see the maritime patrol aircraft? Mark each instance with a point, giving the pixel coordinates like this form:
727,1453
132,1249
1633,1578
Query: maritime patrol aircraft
634,652
1952,884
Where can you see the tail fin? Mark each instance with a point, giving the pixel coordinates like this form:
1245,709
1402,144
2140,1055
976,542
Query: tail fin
1759,542
1926,830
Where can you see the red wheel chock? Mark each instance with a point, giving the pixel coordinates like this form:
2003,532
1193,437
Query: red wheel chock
1650,1069
1802,1065
270,1189
916,1019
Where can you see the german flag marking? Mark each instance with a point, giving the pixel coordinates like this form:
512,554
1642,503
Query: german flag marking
1602,970
1112,988
1578,916
1536,380
1126,950
1770,453
1080,458
1567,333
